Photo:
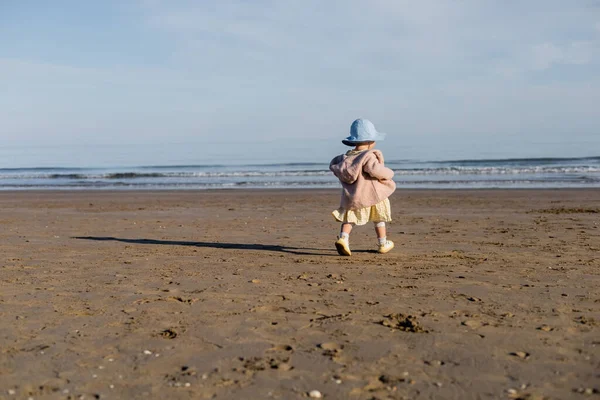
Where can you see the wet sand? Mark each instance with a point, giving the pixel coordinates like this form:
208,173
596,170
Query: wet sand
241,295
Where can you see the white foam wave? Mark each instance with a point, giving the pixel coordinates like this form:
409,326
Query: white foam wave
497,170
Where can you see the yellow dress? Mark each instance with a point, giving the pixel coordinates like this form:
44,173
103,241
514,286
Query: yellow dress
380,212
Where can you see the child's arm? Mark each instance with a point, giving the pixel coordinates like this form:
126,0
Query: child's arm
375,167
346,175
332,165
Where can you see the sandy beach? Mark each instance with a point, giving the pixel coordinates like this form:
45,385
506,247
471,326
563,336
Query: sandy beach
241,295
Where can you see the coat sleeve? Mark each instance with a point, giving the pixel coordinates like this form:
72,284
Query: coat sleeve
333,164
375,168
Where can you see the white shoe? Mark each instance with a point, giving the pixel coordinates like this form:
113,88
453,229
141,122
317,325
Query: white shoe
343,247
387,246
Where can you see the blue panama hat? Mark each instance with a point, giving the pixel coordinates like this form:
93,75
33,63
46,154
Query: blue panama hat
362,130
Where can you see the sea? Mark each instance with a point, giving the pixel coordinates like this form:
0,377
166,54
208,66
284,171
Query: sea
503,173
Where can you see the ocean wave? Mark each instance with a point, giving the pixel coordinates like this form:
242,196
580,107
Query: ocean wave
166,175
402,184
461,170
500,162
133,175
451,170
200,166
507,173
519,161
67,176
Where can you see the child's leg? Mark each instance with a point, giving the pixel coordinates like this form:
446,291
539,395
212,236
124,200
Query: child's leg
343,245
345,230
384,244
381,232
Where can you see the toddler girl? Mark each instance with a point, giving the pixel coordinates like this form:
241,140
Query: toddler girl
366,185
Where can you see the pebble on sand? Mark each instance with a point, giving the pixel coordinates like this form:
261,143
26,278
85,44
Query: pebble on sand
147,352
471,323
315,394
521,354
545,328
284,367
586,390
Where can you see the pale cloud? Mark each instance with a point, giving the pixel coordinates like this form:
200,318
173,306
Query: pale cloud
548,54
464,69
26,73
382,36
545,55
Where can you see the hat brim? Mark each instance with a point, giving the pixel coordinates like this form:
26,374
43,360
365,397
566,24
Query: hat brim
380,136
353,143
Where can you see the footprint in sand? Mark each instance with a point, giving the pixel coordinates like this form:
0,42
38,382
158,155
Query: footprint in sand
331,349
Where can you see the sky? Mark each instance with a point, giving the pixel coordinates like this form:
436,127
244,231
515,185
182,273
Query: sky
154,81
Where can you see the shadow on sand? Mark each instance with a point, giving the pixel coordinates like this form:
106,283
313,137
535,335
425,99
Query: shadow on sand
213,245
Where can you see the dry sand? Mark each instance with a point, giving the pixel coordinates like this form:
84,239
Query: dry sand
241,295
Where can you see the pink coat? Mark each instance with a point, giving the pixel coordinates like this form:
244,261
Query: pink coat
365,179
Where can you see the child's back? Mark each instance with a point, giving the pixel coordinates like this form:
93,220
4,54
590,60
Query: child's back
364,177
367,183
